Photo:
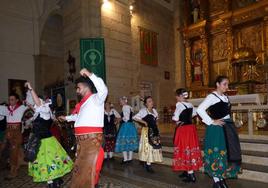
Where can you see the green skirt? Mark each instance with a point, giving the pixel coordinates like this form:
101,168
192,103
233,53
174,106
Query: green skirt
215,155
52,161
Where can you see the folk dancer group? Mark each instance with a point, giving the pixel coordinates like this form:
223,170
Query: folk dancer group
95,126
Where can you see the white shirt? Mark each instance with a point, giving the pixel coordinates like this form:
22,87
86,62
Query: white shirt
92,111
180,107
14,117
126,112
113,112
209,101
44,111
144,112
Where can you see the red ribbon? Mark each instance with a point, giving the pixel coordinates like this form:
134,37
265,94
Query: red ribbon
78,105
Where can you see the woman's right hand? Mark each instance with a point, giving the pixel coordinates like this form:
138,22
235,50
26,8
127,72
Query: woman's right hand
145,124
218,122
28,85
61,118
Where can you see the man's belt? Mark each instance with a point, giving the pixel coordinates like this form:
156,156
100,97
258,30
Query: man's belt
13,126
83,137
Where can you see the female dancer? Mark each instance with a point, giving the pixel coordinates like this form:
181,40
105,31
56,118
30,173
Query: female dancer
215,112
111,117
127,137
187,154
52,162
150,147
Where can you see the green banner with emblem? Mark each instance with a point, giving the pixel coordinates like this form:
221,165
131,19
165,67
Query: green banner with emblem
92,56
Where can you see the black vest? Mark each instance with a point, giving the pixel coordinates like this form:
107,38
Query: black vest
130,117
109,126
41,127
186,115
220,109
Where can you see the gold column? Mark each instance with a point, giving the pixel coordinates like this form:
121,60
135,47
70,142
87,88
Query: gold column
188,63
205,58
230,47
265,37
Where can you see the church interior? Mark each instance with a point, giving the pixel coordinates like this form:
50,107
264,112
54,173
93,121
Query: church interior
144,48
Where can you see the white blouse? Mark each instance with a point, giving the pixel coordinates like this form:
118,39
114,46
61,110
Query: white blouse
180,107
126,112
209,101
144,112
44,111
112,112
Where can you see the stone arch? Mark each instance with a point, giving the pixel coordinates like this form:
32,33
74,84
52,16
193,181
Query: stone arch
50,61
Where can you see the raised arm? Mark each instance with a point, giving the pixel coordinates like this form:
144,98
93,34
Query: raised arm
102,90
36,99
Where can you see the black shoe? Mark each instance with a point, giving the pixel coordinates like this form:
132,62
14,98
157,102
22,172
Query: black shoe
111,159
57,182
217,185
142,163
51,185
223,184
183,175
129,161
149,168
124,162
190,178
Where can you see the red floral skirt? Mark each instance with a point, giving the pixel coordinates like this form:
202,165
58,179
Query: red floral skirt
109,143
187,154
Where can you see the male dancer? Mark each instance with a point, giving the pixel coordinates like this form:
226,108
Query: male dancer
88,116
14,113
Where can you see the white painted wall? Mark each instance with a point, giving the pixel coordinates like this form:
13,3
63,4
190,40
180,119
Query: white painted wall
16,43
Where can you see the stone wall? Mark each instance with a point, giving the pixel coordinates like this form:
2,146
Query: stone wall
121,33
17,43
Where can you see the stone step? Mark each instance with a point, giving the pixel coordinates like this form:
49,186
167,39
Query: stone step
259,158
251,172
258,146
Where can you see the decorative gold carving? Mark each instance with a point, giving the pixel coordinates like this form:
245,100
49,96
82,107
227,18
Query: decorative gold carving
219,47
188,63
221,33
218,7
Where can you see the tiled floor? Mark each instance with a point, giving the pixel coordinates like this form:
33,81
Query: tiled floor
115,175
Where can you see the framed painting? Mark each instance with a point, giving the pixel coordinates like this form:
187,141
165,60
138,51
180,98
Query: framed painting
58,100
17,86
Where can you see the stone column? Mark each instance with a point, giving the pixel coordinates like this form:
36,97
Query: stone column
178,45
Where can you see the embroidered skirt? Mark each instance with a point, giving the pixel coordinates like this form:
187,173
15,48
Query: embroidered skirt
215,155
127,138
146,152
52,161
187,155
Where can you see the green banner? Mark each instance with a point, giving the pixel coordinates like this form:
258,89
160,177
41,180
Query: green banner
92,56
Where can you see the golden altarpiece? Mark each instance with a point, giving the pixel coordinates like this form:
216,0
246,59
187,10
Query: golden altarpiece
229,37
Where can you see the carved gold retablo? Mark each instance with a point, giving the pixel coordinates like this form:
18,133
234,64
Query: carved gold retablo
244,54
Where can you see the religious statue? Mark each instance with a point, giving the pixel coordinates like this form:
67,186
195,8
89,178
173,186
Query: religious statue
195,10
196,62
